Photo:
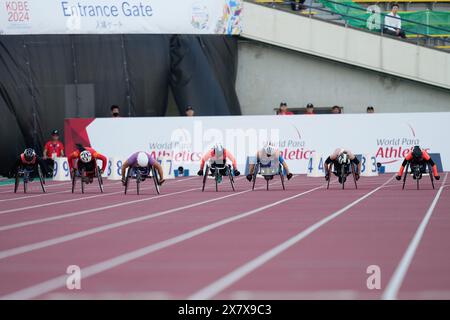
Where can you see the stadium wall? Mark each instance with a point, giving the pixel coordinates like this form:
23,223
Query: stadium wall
268,75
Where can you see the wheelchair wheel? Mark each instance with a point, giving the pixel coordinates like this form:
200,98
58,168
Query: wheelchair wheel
41,179
99,178
16,182
74,179
156,180
205,176
25,183
282,177
354,176
127,179
216,178
138,181
230,175
82,180
430,170
405,175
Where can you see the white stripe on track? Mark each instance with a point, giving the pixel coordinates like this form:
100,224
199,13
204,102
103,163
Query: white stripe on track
70,200
86,211
391,291
217,286
47,186
55,283
50,242
109,185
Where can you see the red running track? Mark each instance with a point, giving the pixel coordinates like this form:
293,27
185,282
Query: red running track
303,243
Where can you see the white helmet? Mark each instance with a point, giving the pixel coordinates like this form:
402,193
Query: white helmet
142,159
269,148
218,150
85,156
343,158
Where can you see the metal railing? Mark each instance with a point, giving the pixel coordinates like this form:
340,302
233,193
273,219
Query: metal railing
309,9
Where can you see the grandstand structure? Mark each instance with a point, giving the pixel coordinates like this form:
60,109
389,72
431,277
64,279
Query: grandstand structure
426,22
317,49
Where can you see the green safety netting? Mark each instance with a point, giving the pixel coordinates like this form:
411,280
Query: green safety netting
431,22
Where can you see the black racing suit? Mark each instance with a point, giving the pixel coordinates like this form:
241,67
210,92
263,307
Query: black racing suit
31,166
338,167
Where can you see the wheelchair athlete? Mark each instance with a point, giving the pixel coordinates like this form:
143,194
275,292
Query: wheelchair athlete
142,161
217,157
86,158
29,161
341,159
418,157
269,157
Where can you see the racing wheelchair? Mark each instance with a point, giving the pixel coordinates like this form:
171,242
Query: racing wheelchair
342,172
27,176
85,174
140,175
417,170
217,171
268,173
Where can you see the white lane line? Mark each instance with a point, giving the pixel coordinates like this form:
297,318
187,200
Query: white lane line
47,186
55,283
70,200
217,286
86,211
110,185
50,242
82,212
391,291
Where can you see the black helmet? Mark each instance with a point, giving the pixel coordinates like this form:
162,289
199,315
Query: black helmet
29,154
417,153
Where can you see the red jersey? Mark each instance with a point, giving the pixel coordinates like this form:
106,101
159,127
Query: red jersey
210,155
54,147
95,155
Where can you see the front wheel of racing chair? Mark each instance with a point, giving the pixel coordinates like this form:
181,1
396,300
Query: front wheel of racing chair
82,174
430,171
230,175
155,178
41,179
343,176
280,170
216,178
138,181
405,175
205,176
16,182
354,174
99,178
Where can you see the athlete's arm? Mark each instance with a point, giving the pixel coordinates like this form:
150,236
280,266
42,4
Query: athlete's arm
125,166
103,159
404,163
232,158
328,164
160,172
428,159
